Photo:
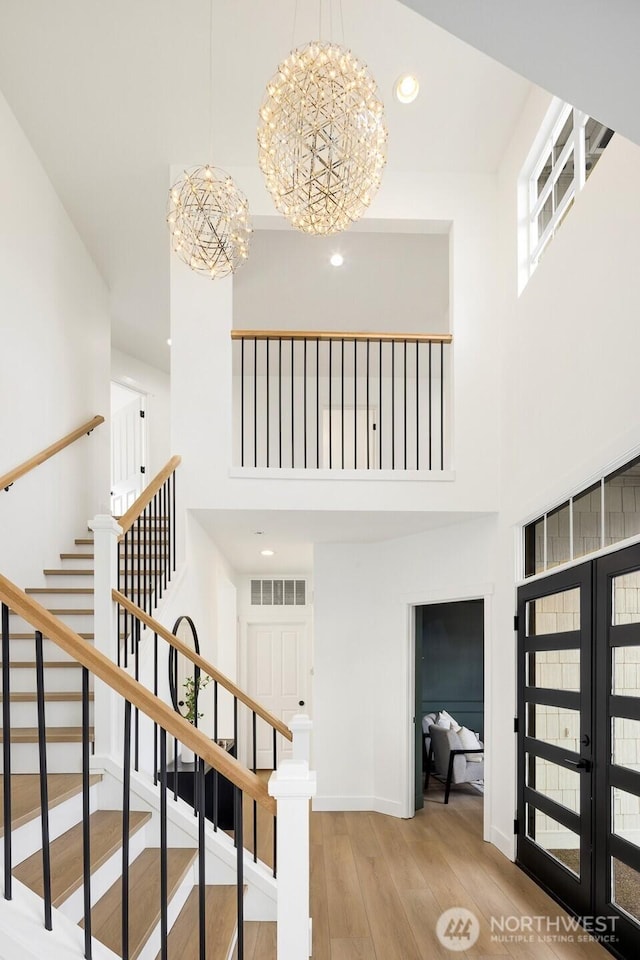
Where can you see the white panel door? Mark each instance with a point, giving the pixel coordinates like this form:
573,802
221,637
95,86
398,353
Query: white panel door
128,455
278,678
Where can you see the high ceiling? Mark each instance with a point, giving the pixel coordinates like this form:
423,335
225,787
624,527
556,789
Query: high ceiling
112,93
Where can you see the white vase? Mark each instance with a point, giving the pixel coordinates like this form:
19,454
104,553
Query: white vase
187,755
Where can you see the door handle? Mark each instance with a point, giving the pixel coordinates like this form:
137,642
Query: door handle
580,764
301,703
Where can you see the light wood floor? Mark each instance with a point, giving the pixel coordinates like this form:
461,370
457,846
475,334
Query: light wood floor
378,886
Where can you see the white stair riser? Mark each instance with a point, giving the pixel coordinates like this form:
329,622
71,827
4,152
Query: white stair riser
57,679
57,713
80,623
25,840
23,649
104,877
61,758
78,563
151,948
54,580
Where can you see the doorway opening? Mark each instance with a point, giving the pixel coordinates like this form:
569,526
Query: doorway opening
128,446
449,691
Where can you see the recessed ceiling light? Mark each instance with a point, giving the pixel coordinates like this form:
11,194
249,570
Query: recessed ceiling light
336,260
168,341
267,553
407,88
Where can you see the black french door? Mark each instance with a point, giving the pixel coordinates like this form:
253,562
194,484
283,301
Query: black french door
579,741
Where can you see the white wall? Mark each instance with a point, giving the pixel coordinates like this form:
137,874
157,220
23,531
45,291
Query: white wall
363,694
55,366
156,385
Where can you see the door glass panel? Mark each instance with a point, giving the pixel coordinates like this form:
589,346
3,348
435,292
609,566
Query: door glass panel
555,782
557,613
555,669
625,809
626,671
626,598
558,538
622,503
625,888
625,737
587,520
534,547
558,841
555,725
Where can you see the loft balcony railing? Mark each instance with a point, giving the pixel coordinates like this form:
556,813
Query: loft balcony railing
340,401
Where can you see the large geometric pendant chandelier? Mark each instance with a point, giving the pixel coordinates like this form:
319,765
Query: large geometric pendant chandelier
322,138
209,221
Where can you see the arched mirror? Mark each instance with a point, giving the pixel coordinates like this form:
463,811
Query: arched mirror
184,694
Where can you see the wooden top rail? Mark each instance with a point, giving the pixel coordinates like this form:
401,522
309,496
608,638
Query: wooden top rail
203,664
128,519
10,478
120,681
339,335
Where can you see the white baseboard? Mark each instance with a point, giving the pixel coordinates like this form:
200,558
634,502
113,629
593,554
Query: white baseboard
390,807
338,804
506,844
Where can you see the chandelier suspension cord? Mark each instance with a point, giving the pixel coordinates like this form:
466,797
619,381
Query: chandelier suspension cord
342,22
293,30
330,21
211,79
319,19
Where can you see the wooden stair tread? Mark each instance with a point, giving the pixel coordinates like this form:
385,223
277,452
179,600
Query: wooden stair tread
144,899
77,556
61,590
67,852
31,664
66,572
54,735
81,540
25,794
57,696
70,611
221,923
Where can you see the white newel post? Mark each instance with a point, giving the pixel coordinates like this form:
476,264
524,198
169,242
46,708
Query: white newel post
105,619
293,785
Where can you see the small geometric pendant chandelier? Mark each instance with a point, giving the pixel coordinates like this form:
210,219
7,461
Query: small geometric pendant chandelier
322,138
209,221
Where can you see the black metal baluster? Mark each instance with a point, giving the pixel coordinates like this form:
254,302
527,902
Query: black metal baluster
404,370
441,405
136,725
430,396
304,380
127,587
393,404
292,408
368,452
242,401
235,721
175,767
380,410
355,404
164,924
6,750
135,572
255,401
318,403
267,405
126,804
119,585
173,518
255,805
44,791
86,814
275,839
342,400
215,740
202,881
417,404
239,870
280,400
155,691
330,405
159,559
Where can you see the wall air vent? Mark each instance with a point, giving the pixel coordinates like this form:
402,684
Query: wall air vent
278,593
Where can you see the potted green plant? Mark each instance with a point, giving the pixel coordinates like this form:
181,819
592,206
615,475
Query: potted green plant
192,686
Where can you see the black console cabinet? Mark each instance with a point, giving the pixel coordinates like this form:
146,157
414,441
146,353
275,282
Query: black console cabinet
186,787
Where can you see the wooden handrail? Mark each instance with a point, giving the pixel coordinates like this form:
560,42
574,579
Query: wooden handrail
339,335
203,664
138,695
128,519
10,478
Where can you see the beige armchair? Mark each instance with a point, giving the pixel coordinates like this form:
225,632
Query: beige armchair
448,760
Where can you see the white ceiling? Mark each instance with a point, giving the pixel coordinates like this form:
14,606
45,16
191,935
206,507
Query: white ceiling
112,93
291,534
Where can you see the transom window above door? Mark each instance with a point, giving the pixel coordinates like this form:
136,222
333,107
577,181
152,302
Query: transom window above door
603,514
